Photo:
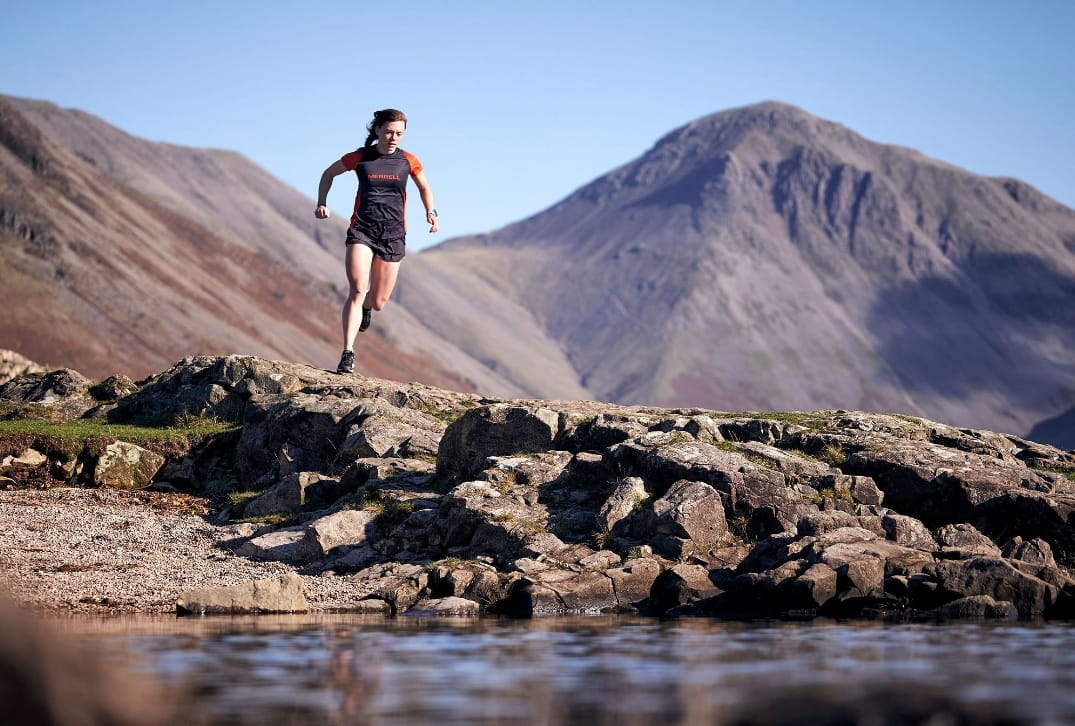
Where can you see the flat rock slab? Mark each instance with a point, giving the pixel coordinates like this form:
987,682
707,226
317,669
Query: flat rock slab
272,595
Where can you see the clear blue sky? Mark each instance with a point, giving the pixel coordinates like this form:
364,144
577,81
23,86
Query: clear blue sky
515,104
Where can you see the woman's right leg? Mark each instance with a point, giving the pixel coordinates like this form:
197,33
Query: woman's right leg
358,262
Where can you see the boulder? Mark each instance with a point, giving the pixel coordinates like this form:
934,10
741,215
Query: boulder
815,587
688,518
632,582
556,592
345,528
975,607
272,595
964,540
213,387
626,499
494,430
401,586
285,433
126,466
1032,596
293,493
60,395
378,429
446,606
476,519
1035,551
936,483
604,430
28,458
278,545
908,531
680,585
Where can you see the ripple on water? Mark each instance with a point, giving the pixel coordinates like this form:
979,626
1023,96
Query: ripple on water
411,670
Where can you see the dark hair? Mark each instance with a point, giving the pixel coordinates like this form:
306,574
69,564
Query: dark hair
380,118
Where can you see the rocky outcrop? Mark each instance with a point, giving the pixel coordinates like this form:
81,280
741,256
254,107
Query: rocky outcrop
60,395
449,503
13,365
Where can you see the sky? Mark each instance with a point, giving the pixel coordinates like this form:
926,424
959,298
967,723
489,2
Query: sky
514,105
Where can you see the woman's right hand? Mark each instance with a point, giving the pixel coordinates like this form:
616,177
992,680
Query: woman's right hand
321,212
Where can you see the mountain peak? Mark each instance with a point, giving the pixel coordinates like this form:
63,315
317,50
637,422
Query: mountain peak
762,258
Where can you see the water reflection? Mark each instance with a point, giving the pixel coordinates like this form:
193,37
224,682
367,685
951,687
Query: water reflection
371,670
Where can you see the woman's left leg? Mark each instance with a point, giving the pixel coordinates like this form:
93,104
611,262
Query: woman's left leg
382,281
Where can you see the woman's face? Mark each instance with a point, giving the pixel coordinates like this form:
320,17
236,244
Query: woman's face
389,134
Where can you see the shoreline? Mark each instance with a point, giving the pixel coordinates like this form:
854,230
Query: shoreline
106,552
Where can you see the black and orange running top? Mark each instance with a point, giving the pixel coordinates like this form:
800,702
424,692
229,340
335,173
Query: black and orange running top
381,201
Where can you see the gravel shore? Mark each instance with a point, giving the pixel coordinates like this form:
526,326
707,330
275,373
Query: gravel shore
103,550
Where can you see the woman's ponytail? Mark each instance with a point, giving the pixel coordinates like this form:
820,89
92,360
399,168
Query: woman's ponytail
380,118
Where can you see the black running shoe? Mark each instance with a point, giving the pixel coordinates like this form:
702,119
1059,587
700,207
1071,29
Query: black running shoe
347,362
367,318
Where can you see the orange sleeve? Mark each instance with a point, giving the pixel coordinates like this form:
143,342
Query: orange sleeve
416,166
350,159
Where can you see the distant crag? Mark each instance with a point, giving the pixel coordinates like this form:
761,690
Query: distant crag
762,258
13,365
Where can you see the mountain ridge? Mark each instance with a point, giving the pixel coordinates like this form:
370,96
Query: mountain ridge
115,275
815,257
758,258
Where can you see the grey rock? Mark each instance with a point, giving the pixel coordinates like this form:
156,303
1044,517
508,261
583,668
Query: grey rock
14,365
964,539
908,531
272,595
27,459
976,607
378,429
864,490
278,545
627,498
60,394
1031,595
558,592
292,494
494,430
346,528
296,432
1034,551
633,582
446,606
690,516
126,466
816,586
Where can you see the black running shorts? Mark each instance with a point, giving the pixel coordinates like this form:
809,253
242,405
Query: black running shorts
389,250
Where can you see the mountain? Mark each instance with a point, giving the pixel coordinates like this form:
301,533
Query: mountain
766,259
121,255
759,258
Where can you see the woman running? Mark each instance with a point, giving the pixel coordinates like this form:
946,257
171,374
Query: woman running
377,236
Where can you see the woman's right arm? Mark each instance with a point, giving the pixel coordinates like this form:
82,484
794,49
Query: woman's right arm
327,176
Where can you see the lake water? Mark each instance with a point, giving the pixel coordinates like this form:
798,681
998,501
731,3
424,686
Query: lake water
338,669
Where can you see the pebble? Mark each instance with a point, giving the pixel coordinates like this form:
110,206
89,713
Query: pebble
107,551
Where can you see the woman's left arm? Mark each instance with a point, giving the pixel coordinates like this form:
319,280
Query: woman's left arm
427,200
